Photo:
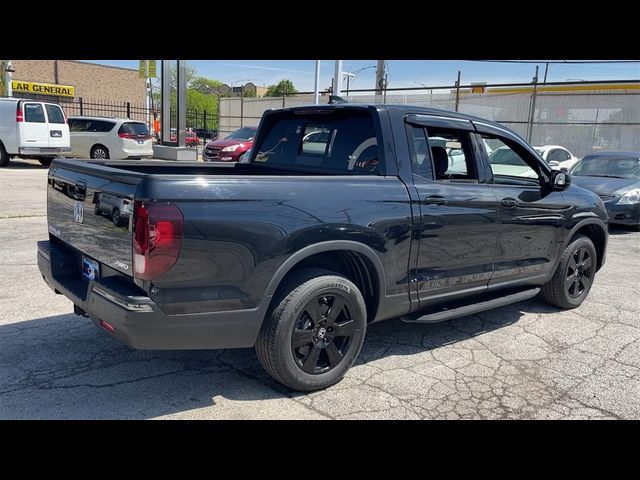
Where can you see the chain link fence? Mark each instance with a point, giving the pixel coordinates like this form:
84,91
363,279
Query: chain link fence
580,117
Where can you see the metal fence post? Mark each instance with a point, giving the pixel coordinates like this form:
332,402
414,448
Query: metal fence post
458,91
283,97
204,120
128,110
81,107
242,106
532,111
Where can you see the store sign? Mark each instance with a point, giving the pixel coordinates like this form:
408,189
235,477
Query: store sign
43,88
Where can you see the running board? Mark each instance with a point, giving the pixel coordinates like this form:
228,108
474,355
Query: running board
470,309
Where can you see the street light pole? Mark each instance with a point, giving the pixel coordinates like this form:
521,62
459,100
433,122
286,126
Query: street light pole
348,75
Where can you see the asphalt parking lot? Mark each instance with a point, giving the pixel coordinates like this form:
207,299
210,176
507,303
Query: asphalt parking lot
523,361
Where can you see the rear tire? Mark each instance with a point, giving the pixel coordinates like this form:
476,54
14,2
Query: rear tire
314,330
4,156
574,276
115,216
99,152
45,162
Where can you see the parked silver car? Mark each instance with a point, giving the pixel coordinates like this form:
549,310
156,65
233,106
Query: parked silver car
117,208
102,137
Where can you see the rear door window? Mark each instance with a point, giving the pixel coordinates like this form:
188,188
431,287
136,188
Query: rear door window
101,126
34,113
54,112
342,143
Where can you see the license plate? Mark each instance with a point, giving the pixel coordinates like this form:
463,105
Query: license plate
90,269
140,142
55,133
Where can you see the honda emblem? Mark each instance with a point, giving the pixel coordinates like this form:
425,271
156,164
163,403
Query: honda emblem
78,212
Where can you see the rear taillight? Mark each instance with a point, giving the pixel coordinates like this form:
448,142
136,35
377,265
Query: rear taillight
157,238
19,117
135,136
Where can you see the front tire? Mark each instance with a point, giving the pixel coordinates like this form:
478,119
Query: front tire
4,156
574,276
45,161
314,331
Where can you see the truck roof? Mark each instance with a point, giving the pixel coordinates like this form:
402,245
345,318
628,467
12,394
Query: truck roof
402,109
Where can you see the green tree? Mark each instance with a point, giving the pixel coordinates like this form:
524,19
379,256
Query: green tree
204,85
282,88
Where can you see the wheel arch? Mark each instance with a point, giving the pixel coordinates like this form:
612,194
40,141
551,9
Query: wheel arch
596,230
356,261
96,145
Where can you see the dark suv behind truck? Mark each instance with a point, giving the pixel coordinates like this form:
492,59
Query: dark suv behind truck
345,215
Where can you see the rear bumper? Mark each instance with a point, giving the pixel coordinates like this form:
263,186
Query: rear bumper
136,319
136,153
52,151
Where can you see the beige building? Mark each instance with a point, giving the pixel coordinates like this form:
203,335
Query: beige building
91,82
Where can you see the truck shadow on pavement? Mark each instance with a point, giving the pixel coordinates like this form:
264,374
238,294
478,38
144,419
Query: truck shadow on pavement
64,367
21,164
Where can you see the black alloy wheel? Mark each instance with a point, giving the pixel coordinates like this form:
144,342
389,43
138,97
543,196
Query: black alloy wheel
579,275
314,329
322,334
574,275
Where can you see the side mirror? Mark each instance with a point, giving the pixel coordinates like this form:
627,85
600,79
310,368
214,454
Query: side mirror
554,164
560,180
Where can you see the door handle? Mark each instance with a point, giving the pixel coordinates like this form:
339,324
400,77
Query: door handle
509,202
435,200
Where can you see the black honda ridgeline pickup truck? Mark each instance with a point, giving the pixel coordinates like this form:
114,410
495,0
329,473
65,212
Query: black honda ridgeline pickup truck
342,215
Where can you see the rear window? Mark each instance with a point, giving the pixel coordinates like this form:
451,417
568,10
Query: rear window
134,128
34,113
342,142
244,133
55,114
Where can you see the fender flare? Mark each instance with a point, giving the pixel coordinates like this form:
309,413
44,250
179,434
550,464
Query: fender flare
329,246
583,223
578,226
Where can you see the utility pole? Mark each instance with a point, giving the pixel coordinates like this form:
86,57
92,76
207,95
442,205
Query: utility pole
316,92
8,78
379,81
337,78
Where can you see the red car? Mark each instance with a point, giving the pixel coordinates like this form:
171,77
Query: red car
190,139
230,148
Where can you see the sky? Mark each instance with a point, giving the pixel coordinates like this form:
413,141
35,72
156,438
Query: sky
401,73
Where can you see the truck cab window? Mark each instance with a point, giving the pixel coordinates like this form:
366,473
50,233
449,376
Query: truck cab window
337,144
510,164
451,154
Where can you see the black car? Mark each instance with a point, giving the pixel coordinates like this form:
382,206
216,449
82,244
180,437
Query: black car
615,178
390,211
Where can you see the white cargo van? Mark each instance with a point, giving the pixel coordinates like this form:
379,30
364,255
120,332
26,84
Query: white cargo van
32,129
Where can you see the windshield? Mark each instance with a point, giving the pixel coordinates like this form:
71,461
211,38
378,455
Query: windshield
245,133
601,166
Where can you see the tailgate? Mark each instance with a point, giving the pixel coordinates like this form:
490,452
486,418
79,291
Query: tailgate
90,207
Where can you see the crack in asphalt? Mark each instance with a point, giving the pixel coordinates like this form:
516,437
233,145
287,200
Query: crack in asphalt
525,361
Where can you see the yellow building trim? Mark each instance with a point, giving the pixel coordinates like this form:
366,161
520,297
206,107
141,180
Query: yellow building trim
568,88
43,88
